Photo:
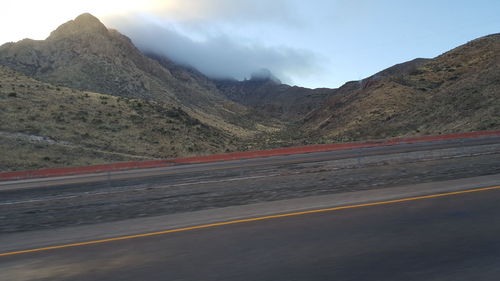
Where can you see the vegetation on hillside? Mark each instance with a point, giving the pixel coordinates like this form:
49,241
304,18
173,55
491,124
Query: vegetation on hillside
458,91
50,126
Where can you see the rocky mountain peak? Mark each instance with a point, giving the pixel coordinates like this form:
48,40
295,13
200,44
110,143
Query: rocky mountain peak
264,75
84,23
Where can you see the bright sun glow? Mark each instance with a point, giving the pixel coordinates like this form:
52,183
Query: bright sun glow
35,19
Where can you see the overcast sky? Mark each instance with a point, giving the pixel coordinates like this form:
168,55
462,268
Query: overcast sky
315,43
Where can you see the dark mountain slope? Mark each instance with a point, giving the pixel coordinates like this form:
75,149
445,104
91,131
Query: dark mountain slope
273,99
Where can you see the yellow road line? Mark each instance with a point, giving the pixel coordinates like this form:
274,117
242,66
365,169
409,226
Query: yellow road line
247,220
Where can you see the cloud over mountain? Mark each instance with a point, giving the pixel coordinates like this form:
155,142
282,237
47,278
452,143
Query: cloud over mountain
219,56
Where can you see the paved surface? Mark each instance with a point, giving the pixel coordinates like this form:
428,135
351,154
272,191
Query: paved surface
71,201
447,238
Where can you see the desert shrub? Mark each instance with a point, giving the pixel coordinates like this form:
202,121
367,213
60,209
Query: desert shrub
58,116
97,121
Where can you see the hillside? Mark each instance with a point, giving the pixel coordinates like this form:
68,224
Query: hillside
458,91
52,126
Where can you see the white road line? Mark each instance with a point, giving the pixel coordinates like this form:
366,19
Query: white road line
134,189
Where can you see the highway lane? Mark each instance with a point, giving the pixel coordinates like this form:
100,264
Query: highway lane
54,203
454,237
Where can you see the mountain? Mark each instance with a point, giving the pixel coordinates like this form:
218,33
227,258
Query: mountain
83,54
87,95
458,91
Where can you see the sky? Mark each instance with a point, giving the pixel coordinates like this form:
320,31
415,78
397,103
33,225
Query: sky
315,43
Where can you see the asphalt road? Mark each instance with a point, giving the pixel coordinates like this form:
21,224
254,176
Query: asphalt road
446,238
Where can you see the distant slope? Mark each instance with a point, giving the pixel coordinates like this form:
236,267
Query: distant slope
83,54
50,126
458,91
273,99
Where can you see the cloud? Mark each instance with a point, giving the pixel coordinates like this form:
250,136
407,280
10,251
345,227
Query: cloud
219,55
227,11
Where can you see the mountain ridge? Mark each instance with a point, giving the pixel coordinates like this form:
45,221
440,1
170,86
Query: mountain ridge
84,23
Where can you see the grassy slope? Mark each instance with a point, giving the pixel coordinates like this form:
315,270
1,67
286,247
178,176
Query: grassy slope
87,128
